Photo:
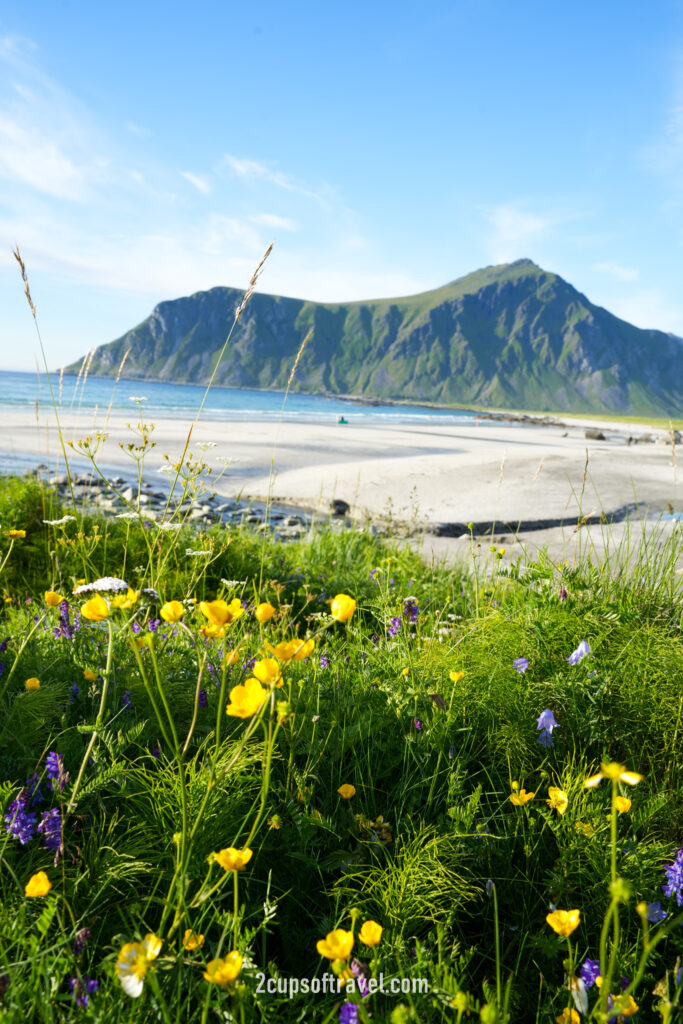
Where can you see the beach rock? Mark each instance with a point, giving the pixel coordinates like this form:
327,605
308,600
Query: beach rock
645,439
338,507
128,494
593,434
59,481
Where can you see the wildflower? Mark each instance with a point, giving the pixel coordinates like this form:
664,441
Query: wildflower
622,804
342,607
172,611
274,822
232,859
32,684
520,665
564,922
54,766
80,941
568,1016
105,585
203,699
232,657
38,885
417,722
336,945
411,609
96,609
348,1013
347,791
126,601
219,613
83,987
589,971
192,941
52,598
126,700
16,534
624,1006
519,797
212,632
455,677
292,650
582,651
674,877
20,822
268,671
133,963
371,933
654,912
64,627
613,771
557,800
246,700
395,626
89,675
222,971
51,827
59,522
264,611
324,661
134,398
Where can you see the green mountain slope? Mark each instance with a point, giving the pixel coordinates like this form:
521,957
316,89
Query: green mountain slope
512,336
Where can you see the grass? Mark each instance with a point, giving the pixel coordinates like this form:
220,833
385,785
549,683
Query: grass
429,722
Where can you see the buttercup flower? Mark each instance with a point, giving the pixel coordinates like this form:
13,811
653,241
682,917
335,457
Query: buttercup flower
127,600
614,771
557,800
267,671
246,700
133,962
519,797
622,804
564,922
38,885
222,971
264,611
346,791
232,859
568,1016
220,613
172,611
292,650
32,684
16,534
371,933
455,677
582,651
96,609
342,607
89,675
52,598
232,657
336,945
191,940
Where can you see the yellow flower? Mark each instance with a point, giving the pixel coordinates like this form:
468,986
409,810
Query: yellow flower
172,611
232,859
292,650
346,791
371,933
38,885
246,700
614,771
264,611
89,675
568,1017
224,970
32,683
520,798
336,945
133,961
16,534
342,607
213,632
626,1010
557,799
191,940
267,671
622,804
126,600
232,657
564,922
456,676
274,822
52,598
587,830
95,609
219,613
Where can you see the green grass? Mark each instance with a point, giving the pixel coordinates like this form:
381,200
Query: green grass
430,846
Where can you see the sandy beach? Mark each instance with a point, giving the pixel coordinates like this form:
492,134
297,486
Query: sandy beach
540,478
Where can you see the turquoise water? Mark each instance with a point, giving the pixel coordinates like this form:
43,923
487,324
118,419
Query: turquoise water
22,390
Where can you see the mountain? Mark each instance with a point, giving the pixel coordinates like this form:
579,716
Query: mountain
509,337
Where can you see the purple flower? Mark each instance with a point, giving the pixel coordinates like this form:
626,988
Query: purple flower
545,738
655,914
546,720
51,827
418,724
395,626
324,661
411,609
590,969
156,750
521,665
582,651
152,625
20,822
33,792
136,627
375,639
54,766
126,701
82,937
674,875
202,699
348,1013
3,645
83,987
75,690
373,573
563,594
64,627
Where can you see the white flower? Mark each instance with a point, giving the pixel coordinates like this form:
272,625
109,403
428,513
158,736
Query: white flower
133,961
205,445
196,554
233,583
169,526
127,515
60,522
107,585
135,398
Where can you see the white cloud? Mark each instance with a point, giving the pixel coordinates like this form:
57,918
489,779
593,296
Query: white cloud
253,170
274,221
201,184
516,231
29,157
617,270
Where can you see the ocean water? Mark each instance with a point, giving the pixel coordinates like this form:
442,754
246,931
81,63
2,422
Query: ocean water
23,390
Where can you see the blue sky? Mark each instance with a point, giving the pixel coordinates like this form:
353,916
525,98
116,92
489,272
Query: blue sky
150,150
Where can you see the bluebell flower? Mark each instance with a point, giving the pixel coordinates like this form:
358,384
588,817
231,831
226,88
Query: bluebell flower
521,665
655,914
546,720
545,738
582,651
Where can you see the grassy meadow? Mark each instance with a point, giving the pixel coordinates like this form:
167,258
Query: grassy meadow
232,768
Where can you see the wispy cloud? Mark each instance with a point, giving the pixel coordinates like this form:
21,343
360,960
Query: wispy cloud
274,221
201,184
617,270
516,231
253,170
